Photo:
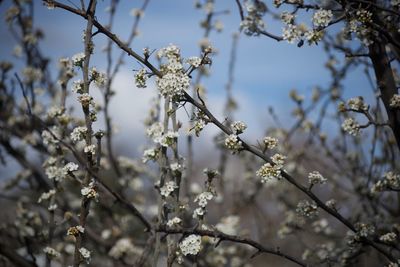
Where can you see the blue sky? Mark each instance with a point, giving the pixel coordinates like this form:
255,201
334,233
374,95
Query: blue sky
265,70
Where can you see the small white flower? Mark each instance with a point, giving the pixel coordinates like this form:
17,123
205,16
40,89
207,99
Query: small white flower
291,33
52,207
141,79
322,18
168,188
89,191
198,212
91,149
194,61
100,78
176,167
268,172
46,195
85,99
233,143
173,84
85,254
388,238
167,139
71,167
190,245
78,59
56,173
395,101
51,252
316,178
287,18
357,104
279,160
174,222
75,230
203,198
149,154
307,209
77,86
155,130
270,142
351,126
78,133
238,127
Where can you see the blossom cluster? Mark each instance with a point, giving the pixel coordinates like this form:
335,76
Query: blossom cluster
351,126
391,181
168,188
233,143
174,80
307,209
316,178
190,245
253,23
322,18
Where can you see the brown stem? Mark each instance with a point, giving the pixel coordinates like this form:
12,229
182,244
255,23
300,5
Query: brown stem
386,84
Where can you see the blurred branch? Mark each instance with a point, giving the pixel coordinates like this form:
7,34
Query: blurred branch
237,239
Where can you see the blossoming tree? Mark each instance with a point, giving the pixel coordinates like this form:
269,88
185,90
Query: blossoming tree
338,199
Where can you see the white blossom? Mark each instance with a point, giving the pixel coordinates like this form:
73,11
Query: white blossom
75,230
268,172
141,78
149,154
190,245
357,104
85,99
351,126
90,149
56,173
155,130
77,86
307,209
52,207
203,198
198,212
291,33
167,139
194,61
173,84
238,127
322,18
316,178
395,101
176,167
78,133
168,188
233,143
174,222
100,78
287,18
78,59
270,142
388,238
51,252
46,195
89,191
279,160
85,254
71,167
